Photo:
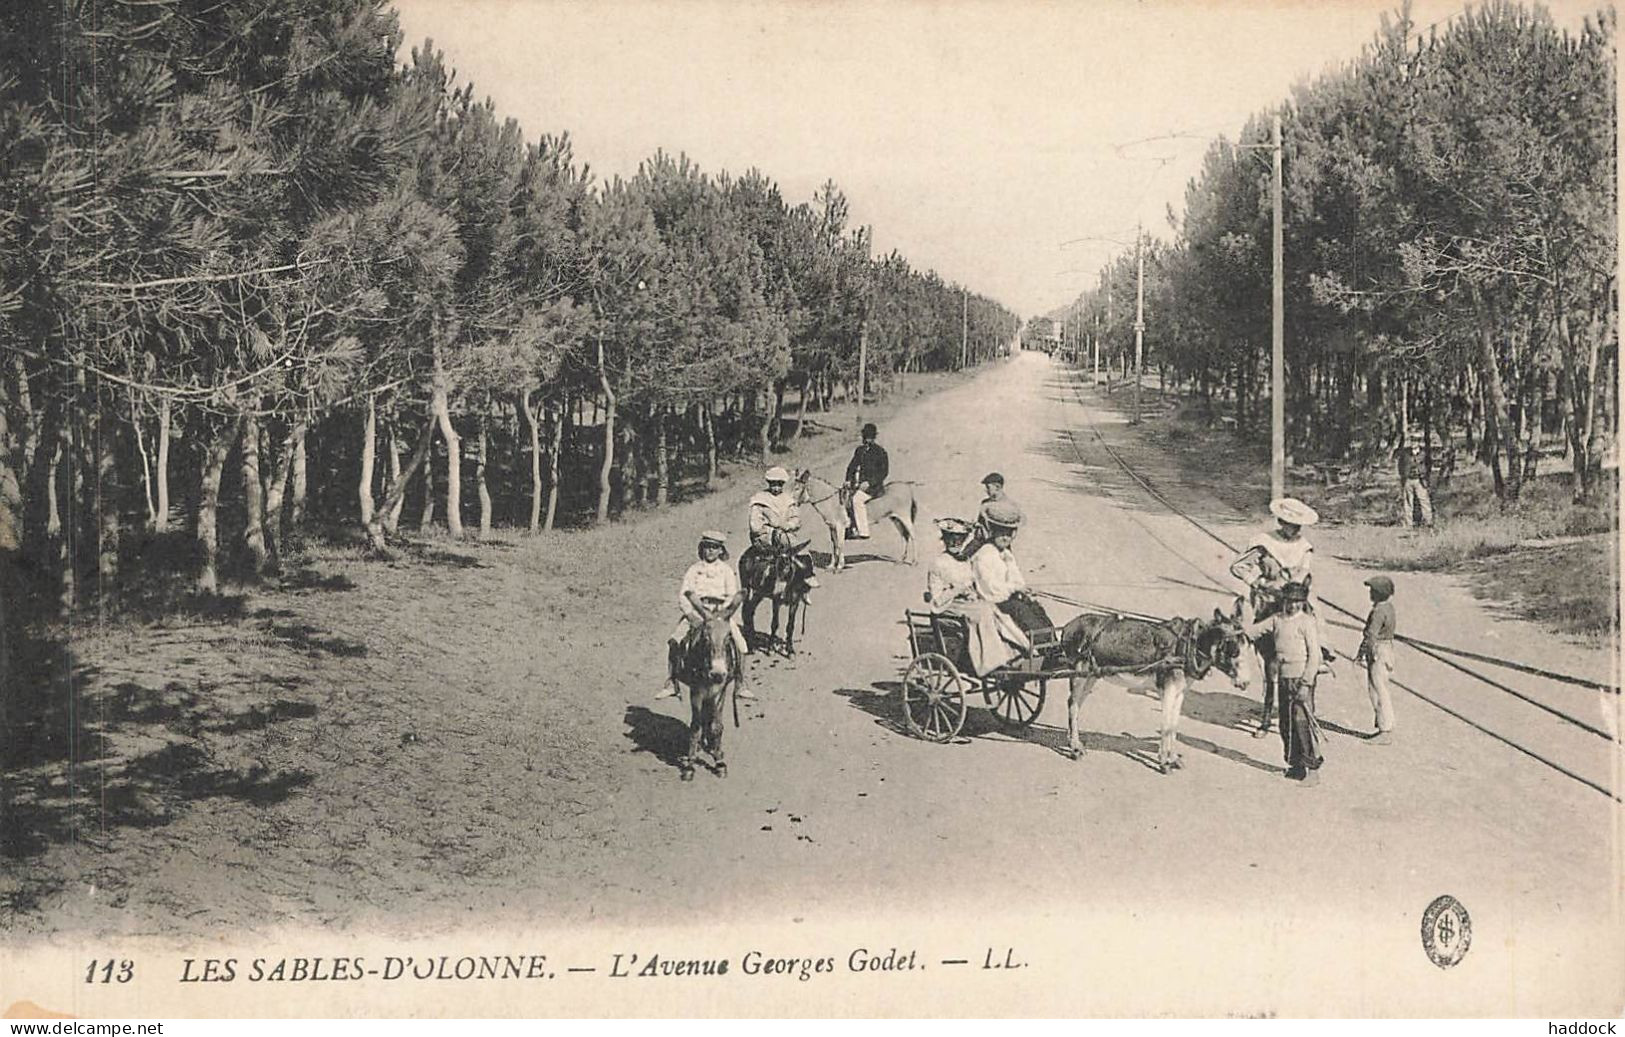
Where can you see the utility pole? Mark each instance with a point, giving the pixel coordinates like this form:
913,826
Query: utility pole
1139,316
964,329
1277,330
863,364
1094,378
863,335
1108,329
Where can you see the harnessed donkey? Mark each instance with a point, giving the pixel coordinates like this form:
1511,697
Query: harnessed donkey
1141,653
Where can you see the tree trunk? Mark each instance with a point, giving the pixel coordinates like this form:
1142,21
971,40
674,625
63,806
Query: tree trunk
609,438
161,520
1495,418
215,448
535,459
28,436
392,516
296,514
708,428
426,516
136,421
53,482
254,530
276,494
776,426
60,478
558,415
78,459
662,460
480,458
376,540
440,406
369,448
801,411
764,432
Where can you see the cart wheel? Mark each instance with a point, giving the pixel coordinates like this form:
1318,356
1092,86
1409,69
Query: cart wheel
1017,703
933,698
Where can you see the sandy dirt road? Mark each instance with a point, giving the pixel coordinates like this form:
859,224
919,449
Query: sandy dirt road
505,765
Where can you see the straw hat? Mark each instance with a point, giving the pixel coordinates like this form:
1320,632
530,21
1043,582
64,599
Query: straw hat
1290,509
1002,513
776,474
712,536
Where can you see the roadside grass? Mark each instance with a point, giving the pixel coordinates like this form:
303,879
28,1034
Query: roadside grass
1542,557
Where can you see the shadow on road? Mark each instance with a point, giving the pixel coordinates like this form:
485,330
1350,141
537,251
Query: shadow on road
664,737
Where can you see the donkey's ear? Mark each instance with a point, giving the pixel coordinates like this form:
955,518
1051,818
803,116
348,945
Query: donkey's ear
802,473
1218,615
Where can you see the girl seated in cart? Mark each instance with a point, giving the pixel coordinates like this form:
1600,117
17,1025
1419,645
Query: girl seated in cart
992,638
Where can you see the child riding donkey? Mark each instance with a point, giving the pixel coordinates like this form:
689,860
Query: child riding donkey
709,589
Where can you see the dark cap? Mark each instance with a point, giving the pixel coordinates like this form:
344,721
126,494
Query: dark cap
993,477
1295,592
869,431
1382,585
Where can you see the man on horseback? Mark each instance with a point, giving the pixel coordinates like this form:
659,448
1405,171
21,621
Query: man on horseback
709,588
999,579
775,519
865,480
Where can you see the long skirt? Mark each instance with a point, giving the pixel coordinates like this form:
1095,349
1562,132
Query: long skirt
992,639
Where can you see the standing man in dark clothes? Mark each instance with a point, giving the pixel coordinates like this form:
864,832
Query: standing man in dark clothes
866,478
1415,503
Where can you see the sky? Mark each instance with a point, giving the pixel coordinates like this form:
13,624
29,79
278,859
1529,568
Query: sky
976,137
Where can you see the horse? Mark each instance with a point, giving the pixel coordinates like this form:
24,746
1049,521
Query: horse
830,501
707,663
772,572
1142,653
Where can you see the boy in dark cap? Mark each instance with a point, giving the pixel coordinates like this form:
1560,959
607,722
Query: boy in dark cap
1377,655
1297,652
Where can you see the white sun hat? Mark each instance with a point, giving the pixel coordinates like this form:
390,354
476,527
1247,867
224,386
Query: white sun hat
776,474
1293,510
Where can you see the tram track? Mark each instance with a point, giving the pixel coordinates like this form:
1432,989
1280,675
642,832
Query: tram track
1429,649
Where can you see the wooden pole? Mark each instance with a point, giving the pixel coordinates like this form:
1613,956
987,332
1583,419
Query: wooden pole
1139,316
1277,328
964,329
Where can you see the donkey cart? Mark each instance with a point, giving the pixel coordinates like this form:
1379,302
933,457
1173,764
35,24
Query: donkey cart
940,675
1138,651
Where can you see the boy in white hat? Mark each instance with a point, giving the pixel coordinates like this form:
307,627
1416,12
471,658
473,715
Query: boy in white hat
709,587
775,517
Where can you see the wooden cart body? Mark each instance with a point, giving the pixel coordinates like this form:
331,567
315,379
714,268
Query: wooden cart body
939,676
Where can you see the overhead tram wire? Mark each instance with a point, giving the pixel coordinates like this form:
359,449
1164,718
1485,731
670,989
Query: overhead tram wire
1427,647
1154,493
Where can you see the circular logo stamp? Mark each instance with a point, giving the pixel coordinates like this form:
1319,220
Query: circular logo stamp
1447,931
